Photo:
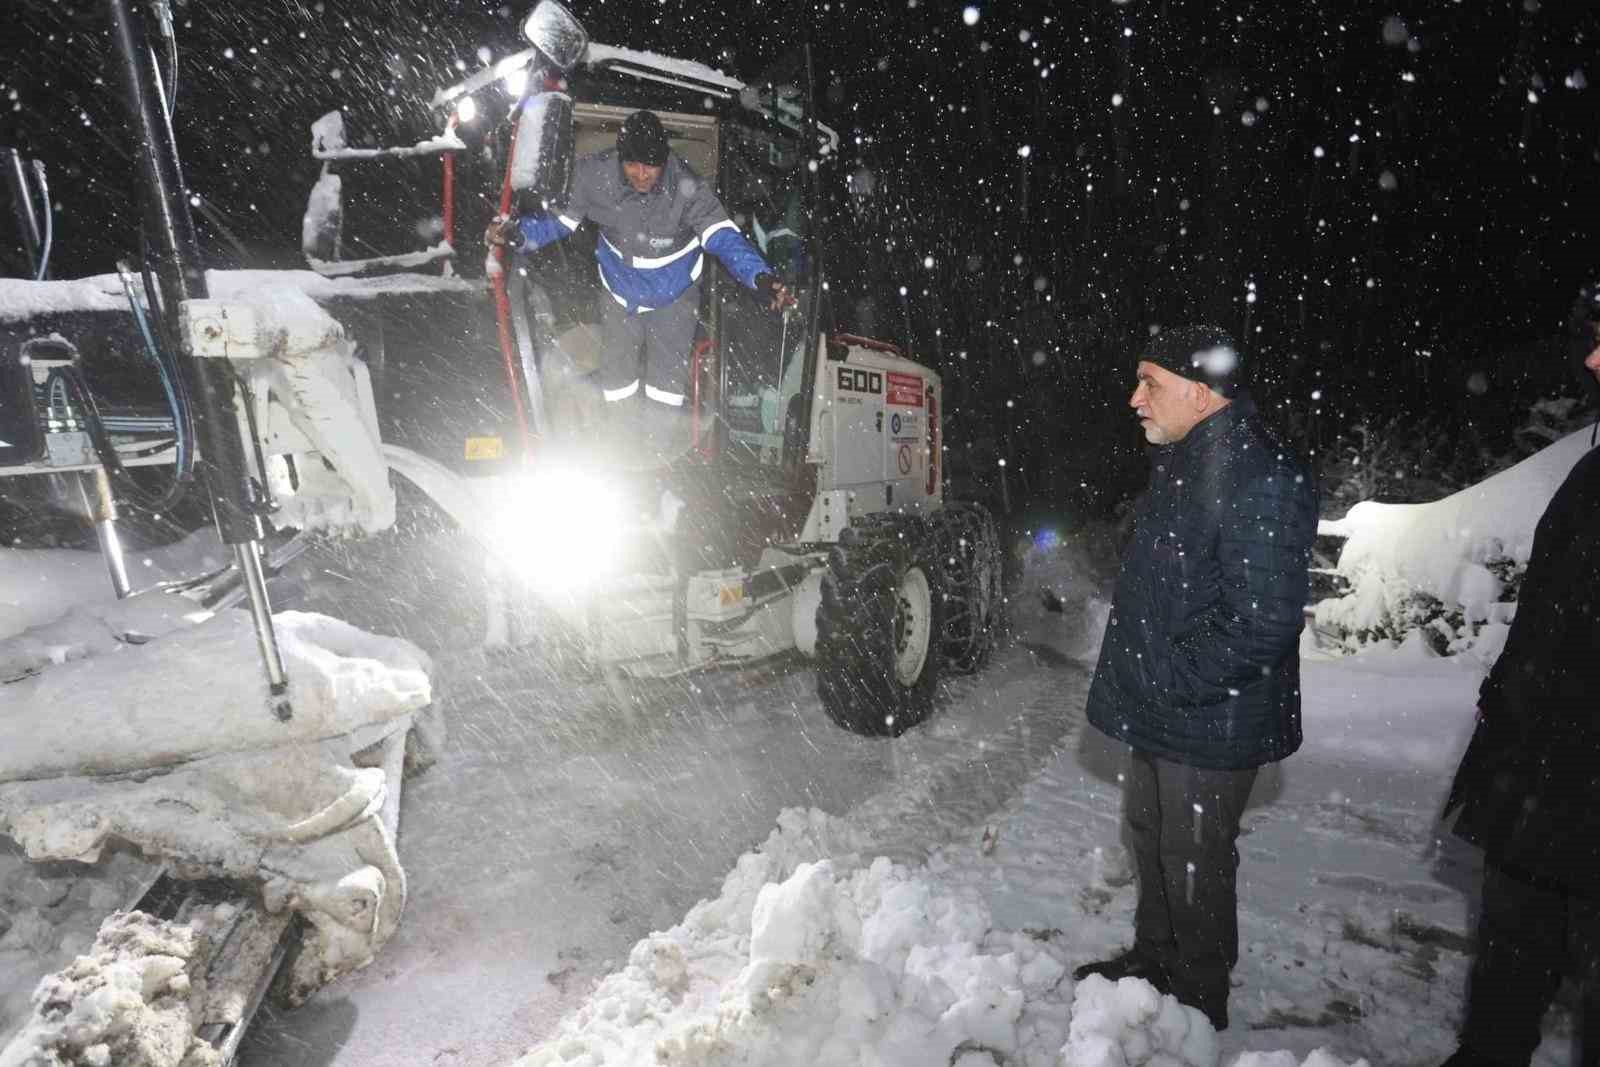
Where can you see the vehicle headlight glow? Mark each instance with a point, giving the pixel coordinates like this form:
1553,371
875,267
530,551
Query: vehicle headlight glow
560,530
467,109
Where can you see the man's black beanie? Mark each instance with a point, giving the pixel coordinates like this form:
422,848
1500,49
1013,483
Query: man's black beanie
1201,354
642,140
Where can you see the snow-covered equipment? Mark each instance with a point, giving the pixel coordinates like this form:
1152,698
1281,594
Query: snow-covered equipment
284,783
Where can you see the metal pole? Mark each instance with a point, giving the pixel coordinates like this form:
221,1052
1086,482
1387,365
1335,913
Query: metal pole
221,457
248,556
94,488
22,204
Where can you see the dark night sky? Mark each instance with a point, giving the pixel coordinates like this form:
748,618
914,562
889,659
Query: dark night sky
1406,188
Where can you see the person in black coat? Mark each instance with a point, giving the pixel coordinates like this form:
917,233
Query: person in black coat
1199,671
1528,787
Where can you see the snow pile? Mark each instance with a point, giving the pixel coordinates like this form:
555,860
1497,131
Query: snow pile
1319,1058
130,1002
825,960
95,629
831,963
48,914
1129,1024
1408,564
343,678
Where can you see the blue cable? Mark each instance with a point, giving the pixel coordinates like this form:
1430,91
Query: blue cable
181,430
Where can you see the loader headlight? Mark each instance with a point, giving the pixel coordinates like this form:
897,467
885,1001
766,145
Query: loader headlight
561,530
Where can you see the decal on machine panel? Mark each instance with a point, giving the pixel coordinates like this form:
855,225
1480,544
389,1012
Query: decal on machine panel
905,390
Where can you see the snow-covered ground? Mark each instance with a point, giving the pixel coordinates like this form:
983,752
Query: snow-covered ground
734,880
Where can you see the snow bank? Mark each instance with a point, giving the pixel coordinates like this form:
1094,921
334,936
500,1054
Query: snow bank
827,961
132,1001
824,961
51,723
1128,1024
1443,549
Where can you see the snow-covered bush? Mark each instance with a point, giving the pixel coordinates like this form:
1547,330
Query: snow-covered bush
1448,570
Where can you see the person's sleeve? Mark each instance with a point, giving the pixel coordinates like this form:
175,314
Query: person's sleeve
551,226
720,236
1264,555
540,230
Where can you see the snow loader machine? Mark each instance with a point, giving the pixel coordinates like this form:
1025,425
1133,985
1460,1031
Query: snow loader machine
797,504
796,501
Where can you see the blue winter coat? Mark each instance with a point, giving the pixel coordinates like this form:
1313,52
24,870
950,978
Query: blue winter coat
1201,661
650,247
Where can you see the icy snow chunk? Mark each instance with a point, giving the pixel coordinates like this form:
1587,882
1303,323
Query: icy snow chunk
327,133
129,1001
1319,1058
1129,1024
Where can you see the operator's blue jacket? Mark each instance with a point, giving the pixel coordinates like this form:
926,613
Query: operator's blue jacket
650,247
1201,663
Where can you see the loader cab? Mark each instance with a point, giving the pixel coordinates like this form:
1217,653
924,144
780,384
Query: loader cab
751,370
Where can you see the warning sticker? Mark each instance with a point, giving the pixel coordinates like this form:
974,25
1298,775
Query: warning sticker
905,390
904,459
485,448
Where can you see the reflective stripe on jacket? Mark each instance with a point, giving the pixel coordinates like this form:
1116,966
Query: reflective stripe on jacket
651,244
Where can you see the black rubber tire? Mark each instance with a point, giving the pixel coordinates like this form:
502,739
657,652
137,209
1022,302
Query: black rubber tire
971,559
861,627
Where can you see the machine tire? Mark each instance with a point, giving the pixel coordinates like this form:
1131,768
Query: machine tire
971,558
882,609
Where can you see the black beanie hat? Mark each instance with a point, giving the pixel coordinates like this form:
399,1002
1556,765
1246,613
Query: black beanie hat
642,140
1201,354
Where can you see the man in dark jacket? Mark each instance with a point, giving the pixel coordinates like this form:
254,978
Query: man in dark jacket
657,217
1529,784
1200,668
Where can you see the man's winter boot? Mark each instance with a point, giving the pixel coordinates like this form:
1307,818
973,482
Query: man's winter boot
1134,963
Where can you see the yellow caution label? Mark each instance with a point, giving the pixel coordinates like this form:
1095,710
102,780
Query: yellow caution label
730,595
485,448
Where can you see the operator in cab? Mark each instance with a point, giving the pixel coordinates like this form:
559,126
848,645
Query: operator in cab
657,219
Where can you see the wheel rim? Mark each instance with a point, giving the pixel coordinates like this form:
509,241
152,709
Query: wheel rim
913,618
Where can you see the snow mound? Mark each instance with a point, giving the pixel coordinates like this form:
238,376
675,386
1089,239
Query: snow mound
1444,549
1129,1024
51,724
872,965
131,1001
1319,1058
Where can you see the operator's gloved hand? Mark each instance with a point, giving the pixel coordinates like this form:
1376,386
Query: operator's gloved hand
505,232
769,286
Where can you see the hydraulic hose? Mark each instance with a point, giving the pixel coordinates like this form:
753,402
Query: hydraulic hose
182,428
71,379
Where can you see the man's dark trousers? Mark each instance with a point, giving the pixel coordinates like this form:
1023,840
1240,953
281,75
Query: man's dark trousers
1528,937
1183,823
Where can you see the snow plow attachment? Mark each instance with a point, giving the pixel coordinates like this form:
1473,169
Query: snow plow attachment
297,818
